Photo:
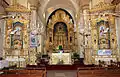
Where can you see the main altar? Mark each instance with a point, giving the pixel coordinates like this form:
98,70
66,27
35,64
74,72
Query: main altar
60,58
60,40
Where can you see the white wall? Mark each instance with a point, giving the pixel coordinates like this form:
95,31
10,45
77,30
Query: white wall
118,31
1,37
23,2
118,27
1,9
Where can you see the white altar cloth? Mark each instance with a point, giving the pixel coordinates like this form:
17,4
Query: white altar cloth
56,57
4,63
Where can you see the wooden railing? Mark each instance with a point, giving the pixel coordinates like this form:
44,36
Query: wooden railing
98,72
27,72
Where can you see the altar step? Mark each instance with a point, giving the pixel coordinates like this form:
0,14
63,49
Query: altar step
61,73
66,67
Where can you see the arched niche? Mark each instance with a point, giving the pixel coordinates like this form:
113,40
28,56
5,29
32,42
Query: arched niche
17,36
103,30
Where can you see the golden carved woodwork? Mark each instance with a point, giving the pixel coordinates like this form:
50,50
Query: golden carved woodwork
59,16
17,8
2,14
102,7
115,2
112,19
94,33
9,29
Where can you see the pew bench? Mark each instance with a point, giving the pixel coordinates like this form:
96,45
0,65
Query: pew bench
29,72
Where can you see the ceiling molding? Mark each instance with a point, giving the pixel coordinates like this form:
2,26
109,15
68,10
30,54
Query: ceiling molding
115,2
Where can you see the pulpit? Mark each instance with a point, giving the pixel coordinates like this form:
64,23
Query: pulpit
60,58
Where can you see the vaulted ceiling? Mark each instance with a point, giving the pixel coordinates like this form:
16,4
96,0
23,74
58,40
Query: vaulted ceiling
72,6
46,7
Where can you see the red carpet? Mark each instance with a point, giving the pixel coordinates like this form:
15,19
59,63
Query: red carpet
61,67
65,67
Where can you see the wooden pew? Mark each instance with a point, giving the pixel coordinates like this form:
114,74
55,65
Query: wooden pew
28,72
98,72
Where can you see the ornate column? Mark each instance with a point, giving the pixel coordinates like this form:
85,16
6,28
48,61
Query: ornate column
80,36
33,26
41,36
86,35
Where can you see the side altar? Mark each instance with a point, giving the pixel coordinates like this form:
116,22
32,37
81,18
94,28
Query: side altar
60,58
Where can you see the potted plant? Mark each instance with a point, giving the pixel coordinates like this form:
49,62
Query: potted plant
45,59
75,57
38,58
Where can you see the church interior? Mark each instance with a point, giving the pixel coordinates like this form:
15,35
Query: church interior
60,38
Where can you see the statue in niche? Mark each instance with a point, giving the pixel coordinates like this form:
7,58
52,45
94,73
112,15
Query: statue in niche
104,34
17,36
103,30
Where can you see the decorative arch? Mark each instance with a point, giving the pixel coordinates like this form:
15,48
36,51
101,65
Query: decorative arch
60,30
53,13
18,23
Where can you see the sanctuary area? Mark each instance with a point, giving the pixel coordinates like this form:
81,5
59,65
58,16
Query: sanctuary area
50,35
